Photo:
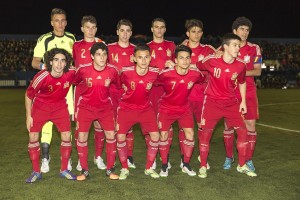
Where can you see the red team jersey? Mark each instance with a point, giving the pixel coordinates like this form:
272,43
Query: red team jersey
119,56
49,90
137,87
177,89
198,54
81,52
95,91
250,54
161,52
223,77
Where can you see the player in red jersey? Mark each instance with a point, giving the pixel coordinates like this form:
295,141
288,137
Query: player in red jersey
225,74
174,106
121,55
45,101
95,104
82,56
135,107
161,51
250,53
194,32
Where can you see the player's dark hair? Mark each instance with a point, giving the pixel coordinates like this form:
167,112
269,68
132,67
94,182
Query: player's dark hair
226,39
98,45
125,22
241,21
158,20
141,47
49,56
88,18
56,11
190,23
184,48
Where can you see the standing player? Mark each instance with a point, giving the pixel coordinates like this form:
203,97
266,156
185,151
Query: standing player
194,32
225,74
174,106
161,51
251,55
45,101
58,38
82,56
121,55
95,104
135,107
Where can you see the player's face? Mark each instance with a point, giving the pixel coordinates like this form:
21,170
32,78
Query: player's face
195,34
89,30
59,23
242,32
183,60
142,59
158,29
58,64
100,58
233,48
124,33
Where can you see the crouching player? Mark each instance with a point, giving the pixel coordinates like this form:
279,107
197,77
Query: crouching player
45,100
135,107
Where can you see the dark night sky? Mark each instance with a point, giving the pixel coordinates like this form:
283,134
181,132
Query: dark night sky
271,19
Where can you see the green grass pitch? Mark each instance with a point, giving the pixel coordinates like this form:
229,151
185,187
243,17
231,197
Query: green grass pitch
277,160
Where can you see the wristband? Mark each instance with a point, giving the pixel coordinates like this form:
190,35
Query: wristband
42,66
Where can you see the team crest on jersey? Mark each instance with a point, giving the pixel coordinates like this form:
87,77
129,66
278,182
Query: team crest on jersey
190,85
67,84
200,57
131,58
107,82
202,122
149,86
169,53
247,58
234,76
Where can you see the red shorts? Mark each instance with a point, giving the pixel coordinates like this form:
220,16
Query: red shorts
252,109
214,110
196,107
128,117
155,95
57,113
185,120
87,114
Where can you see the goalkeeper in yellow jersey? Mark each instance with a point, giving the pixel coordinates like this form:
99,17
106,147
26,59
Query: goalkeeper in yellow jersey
57,38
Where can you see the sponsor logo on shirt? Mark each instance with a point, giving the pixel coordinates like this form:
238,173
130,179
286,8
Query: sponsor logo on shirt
141,81
58,83
160,49
227,70
124,53
99,77
182,81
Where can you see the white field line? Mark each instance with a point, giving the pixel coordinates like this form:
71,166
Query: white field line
275,104
275,127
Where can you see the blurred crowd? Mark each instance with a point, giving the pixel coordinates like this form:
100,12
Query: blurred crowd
16,55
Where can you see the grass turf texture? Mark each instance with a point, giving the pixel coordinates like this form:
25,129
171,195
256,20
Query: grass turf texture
277,161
